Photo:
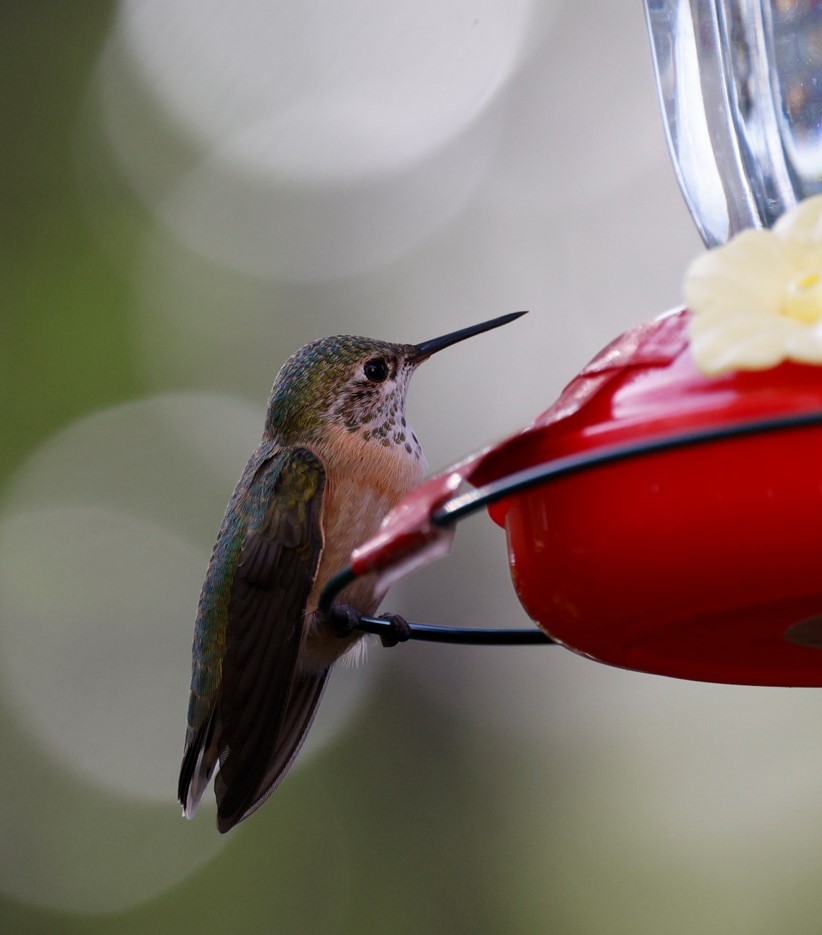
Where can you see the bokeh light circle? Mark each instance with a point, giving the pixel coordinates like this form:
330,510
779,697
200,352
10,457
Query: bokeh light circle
313,141
96,606
357,88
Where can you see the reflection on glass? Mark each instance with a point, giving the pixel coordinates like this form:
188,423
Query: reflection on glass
740,87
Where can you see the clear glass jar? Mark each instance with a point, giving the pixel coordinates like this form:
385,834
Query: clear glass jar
740,87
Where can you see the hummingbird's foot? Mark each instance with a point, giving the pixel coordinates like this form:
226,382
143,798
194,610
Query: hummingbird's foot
344,619
400,631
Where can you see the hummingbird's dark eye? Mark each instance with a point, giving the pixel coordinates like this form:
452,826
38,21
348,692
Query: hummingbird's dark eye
376,370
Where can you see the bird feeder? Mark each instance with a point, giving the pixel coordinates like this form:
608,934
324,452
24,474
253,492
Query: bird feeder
657,519
685,541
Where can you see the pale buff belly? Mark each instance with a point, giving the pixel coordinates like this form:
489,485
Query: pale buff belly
352,512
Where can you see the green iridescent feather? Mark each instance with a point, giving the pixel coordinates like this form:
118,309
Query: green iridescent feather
246,507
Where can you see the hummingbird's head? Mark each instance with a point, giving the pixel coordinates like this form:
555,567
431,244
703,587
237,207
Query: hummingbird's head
355,384
359,384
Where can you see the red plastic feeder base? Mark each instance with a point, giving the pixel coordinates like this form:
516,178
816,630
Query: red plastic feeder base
702,562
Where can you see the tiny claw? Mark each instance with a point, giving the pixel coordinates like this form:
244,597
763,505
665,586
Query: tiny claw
344,619
400,631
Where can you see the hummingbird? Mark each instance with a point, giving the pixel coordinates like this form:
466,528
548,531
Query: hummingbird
337,453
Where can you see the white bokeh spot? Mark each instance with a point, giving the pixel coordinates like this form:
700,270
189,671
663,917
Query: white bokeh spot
319,140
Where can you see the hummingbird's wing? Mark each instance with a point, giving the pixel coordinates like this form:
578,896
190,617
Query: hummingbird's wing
201,754
265,704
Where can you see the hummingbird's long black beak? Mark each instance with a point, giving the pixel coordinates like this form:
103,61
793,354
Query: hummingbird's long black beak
427,348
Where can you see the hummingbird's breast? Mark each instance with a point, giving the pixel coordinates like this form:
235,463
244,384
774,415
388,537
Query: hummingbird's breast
364,480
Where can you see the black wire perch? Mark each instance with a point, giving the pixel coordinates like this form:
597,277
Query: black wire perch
472,502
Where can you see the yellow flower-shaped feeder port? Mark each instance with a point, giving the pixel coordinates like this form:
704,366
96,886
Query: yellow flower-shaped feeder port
757,300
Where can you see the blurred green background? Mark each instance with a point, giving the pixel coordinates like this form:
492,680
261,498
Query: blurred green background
189,193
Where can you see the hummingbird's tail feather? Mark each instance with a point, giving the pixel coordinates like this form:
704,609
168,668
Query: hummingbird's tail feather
199,763
235,803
